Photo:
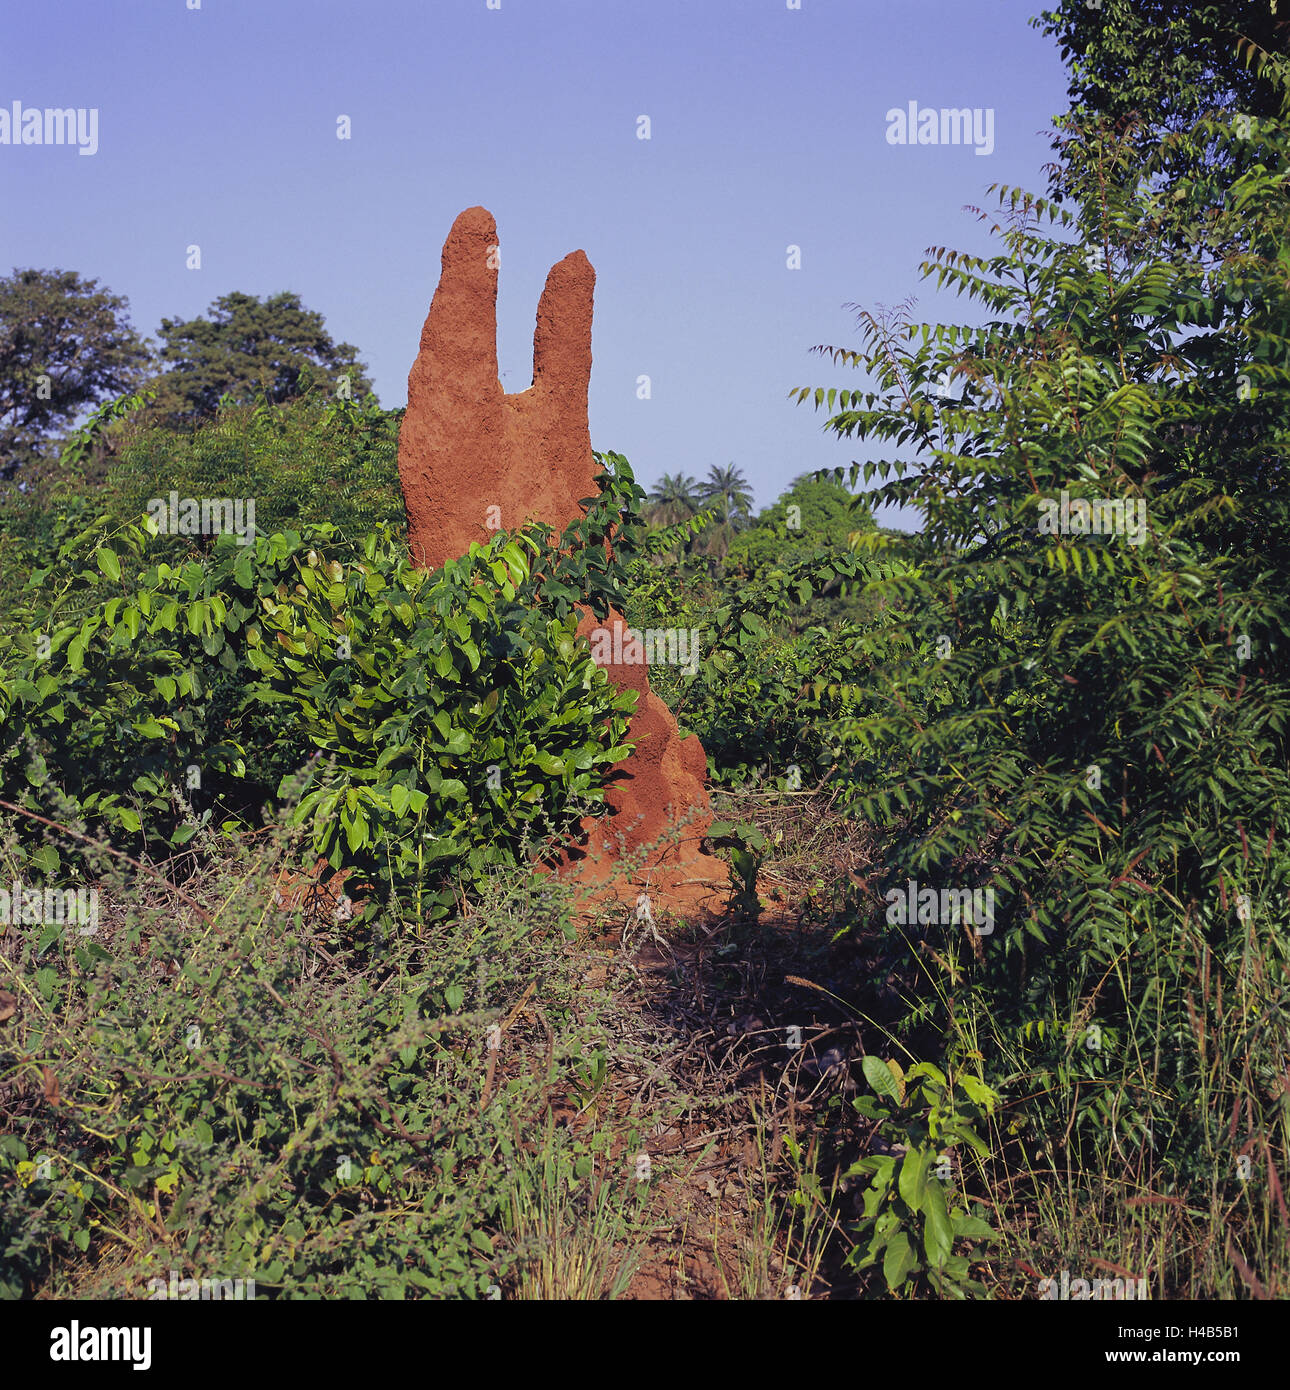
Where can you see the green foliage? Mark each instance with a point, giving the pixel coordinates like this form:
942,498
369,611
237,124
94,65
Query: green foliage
456,711
278,1107
1165,63
666,544
79,445
104,691
725,491
308,461
690,517
766,701
455,719
911,1221
57,325
674,498
248,349
1147,72
1093,726
823,515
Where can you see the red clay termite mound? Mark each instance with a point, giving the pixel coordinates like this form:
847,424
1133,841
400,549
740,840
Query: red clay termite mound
473,460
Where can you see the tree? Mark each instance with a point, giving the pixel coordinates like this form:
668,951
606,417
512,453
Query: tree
1147,71
1167,62
1089,703
727,491
673,498
306,461
250,349
826,514
65,344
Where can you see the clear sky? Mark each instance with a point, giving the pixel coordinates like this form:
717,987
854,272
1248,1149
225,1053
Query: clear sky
218,127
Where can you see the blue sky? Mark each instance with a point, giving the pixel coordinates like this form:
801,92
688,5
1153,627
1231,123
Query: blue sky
217,127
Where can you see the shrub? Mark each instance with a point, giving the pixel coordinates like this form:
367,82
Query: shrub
1111,762
455,711
209,1087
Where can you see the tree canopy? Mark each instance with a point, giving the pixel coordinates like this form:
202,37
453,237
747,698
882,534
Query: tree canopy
65,344
1165,62
251,349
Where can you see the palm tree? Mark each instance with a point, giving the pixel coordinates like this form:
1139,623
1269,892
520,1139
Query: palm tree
727,491
730,484
674,498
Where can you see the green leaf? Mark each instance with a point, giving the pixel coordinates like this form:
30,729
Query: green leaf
44,859
965,1225
108,562
878,1075
977,1091
355,823
52,932
899,1261
913,1177
938,1235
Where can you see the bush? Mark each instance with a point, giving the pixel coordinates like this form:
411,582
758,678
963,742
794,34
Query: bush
1092,727
208,1087
303,462
773,695
456,711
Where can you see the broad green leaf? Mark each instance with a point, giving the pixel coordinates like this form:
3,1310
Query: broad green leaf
965,1225
899,1261
913,1176
879,1076
938,1236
